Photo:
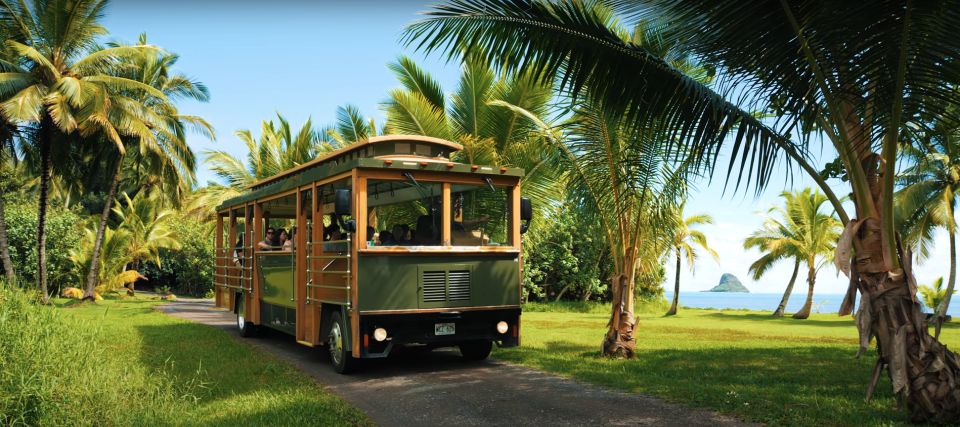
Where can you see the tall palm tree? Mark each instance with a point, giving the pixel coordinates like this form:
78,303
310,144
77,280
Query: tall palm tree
857,72
928,199
496,118
633,203
685,240
8,158
161,140
60,82
802,233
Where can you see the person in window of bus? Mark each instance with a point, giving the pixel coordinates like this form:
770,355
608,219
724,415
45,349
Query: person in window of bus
278,238
426,231
267,243
399,233
387,239
238,252
286,240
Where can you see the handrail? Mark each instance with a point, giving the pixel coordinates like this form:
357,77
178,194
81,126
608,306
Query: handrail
348,273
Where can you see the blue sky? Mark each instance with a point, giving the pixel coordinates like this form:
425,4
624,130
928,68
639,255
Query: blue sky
305,58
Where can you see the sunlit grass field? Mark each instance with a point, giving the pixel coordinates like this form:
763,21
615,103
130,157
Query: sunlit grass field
746,363
224,381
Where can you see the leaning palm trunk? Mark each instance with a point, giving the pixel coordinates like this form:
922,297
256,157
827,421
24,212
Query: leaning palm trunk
676,289
46,138
786,294
811,280
922,371
94,272
4,247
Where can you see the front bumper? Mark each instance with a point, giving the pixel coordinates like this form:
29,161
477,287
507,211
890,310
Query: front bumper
418,328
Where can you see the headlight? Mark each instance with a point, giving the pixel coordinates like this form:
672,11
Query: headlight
502,327
379,334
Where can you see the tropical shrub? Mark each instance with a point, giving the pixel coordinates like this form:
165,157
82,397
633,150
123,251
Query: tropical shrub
64,232
189,269
565,261
933,295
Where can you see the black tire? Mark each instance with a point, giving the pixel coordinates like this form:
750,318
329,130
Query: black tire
246,328
475,350
340,357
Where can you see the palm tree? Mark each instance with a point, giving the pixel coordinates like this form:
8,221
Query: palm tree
934,295
684,240
149,225
856,72
928,199
279,149
801,233
60,82
498,120
8,158
161,138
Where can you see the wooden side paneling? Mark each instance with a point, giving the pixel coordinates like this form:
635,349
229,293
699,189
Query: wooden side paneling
219,264
446,221
300,254
360,209
253,298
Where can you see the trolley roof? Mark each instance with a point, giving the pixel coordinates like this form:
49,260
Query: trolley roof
409,152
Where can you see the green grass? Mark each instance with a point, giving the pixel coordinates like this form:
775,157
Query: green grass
206,377
776,371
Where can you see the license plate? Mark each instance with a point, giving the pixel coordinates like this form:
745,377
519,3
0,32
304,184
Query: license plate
445,329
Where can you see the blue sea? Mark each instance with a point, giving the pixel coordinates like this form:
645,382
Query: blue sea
822,303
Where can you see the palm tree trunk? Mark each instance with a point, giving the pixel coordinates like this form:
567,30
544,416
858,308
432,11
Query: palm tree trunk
94,271
619,341
46,138
786,294
4,247
676,289
951,281
811,279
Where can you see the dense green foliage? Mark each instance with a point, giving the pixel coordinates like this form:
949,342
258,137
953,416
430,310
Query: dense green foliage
565,260
65,230
189,269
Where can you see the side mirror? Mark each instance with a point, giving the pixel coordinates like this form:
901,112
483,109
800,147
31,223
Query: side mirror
526,209
526,214
341,203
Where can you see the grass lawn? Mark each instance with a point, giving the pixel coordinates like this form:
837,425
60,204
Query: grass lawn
224,381
776,371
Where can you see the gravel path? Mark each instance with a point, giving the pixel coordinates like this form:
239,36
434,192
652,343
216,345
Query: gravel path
437,388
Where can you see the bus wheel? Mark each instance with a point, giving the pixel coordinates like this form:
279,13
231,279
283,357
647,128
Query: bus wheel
340,357
475,350
246,328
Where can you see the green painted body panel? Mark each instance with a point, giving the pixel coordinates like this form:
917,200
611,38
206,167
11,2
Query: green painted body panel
277,279
390,282
280,318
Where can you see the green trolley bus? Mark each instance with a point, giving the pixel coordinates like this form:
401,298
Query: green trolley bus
389,243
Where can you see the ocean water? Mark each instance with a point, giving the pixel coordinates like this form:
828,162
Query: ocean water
822,303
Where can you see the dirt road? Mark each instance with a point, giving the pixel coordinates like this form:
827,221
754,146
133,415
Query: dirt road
437,388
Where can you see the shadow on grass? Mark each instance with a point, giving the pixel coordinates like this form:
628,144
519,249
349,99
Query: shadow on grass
801,385
845,322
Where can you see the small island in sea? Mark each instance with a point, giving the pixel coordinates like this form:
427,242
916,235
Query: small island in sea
729,283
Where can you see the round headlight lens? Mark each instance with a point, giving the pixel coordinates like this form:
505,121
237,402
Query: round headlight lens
379,334
502,327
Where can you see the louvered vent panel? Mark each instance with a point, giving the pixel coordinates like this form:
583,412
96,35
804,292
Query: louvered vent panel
433,286
459,287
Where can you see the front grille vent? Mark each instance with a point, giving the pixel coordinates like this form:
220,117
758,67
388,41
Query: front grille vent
433,286
445,285
458,288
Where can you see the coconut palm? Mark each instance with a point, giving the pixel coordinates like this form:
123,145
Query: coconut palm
933,295
161,144
685,241
797,231
8,185
148,224
928,199
855,72
494,117
60,82
279,149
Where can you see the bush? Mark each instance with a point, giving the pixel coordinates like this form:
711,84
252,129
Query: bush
188,270
565,260
64,231
54,371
